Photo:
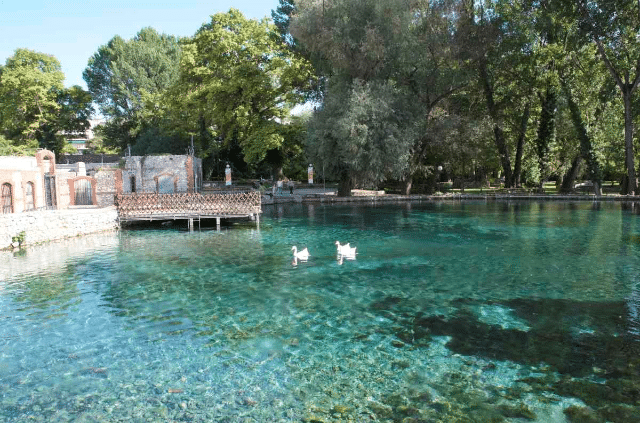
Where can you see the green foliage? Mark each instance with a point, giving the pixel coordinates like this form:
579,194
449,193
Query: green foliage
12,148
29,86
613,26
35,106
237,84
123,73
407,48
359,133
20,238
282,19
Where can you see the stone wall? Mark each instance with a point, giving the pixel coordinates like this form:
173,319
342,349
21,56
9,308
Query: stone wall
109,183
48,225
177,173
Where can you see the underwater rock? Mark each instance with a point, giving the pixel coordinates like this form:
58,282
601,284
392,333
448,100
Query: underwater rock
485,414
340,409
571,336
600,394
386,303
422,397
396,400
620,413
398,344
382,411
577,414
520,411
313,419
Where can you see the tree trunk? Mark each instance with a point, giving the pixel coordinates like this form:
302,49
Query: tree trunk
408,184
628,142
517,169
586,147
345,185
570,177
627,87
276,173
501,143
546,131
503,150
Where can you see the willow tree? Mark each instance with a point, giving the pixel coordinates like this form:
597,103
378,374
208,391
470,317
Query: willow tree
361,46
238,82
359,134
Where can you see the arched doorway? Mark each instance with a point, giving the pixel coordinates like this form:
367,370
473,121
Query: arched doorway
7,198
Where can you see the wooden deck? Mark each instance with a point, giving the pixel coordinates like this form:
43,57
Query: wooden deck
188,206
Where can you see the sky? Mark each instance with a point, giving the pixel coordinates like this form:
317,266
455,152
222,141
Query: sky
73,30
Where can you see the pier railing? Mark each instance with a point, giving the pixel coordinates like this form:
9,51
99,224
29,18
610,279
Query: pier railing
150,205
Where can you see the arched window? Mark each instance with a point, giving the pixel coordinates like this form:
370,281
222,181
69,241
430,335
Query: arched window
7,198
165,184
84,192
29,202
132,180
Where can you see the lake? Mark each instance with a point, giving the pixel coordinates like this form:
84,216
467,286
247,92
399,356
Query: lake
451,312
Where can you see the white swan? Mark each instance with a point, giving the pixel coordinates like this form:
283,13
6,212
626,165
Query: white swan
346,250
300,255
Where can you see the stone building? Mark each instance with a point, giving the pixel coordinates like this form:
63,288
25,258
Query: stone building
163,174
28,183
35,183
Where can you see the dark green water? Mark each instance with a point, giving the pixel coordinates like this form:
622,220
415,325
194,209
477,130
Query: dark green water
451,312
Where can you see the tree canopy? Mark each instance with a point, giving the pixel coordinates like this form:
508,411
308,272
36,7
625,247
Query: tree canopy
35,108
237,84
405,92
122,76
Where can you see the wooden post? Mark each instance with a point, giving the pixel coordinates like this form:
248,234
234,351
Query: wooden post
190,224
217,223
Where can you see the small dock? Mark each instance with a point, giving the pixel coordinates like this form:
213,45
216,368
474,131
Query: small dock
192,207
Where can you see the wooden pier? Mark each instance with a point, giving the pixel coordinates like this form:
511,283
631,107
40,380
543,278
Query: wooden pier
192,207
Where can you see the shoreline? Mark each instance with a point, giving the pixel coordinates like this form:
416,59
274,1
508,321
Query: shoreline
330,199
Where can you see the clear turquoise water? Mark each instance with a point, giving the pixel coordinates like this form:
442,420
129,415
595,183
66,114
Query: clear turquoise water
451,312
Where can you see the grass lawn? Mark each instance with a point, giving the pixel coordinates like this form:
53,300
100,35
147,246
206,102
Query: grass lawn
550,188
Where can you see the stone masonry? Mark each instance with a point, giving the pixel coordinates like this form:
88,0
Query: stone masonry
49,225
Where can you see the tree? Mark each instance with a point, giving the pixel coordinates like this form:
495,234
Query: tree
35,108
29,87
406,46
613,26
282,18
72,119
122,72
359,136
498,42
237,84
11,148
